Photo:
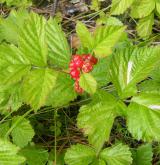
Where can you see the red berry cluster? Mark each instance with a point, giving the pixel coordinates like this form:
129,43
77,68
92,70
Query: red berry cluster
80,63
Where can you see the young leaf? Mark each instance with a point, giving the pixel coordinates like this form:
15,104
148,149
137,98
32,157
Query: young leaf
143,117
59,51
37,86
22,132
58,98
35,155
130,66
79,154
144,27
142,8
105,38
96,118
9,27
84,35
88,83
13,64
119,6
8,154
32,41
143,155
117,155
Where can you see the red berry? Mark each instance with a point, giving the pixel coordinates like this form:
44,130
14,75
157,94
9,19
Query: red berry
77,88
94,60
78,60
75,74
87,57
72,65
87,67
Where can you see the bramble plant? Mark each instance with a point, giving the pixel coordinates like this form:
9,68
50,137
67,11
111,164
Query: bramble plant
143,10
38,68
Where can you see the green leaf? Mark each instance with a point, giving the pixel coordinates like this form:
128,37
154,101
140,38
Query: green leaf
79,155
22,132
35,155
10,98
105,38
143,155
59,51
142,8
143,117
9,27
117,155
158,6
120,6
13,65
88,83
32,41
96,119
8,154
98,162
84,35
17,3
101,72
95,5
144,27
4,127
113,21
37,86
58,98
130,66
150,86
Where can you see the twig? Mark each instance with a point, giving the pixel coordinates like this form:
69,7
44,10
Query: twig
55,3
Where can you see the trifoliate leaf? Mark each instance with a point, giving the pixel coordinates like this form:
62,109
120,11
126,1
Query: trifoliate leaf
119,6
57,97
37,86
13,65
143,117
59,51
117,155
22,132
35,155
79,154
96,119
8,154
130,66
88,83
143,155
144,27
9,27
32,40
84,35
105,38
142,8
